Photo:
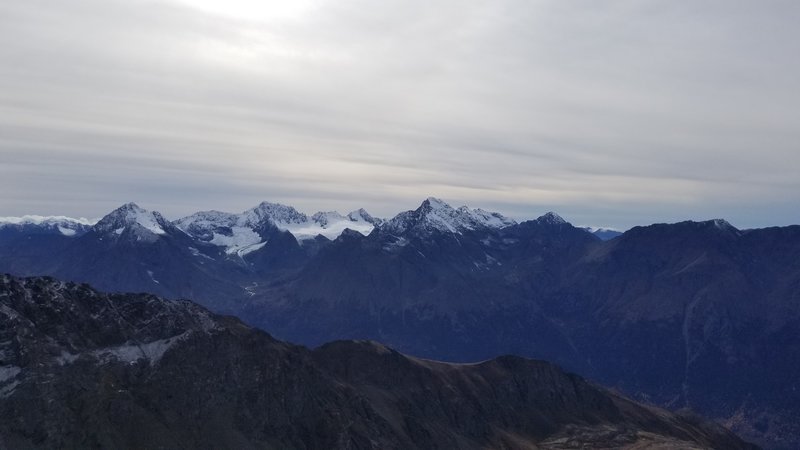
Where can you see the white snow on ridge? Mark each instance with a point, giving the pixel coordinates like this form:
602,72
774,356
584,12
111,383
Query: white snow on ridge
490,219
130,351
330,230
67,226
38,220
147,220
435,214
238,234
206,219
145,224
250,248
551,218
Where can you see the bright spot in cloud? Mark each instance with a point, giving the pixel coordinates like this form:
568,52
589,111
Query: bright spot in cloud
253,9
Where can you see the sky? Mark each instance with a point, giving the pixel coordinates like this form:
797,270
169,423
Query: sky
611,113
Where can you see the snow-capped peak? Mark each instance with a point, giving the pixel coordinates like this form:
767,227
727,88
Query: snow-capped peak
435,204
273,212
723,224
41,220
436,214
551,218
327,217
67,226
131,217
249,231
487,218
361,215
204,218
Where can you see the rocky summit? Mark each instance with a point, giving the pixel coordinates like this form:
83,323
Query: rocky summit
84,369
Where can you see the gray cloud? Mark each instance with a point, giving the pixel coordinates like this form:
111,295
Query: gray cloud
612,113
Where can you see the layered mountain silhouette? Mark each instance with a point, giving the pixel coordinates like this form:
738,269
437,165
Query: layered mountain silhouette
83,369
695,315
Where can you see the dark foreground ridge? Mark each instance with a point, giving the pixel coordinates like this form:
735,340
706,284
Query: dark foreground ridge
83,369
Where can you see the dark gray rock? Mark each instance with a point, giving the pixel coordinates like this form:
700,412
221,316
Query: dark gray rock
82,369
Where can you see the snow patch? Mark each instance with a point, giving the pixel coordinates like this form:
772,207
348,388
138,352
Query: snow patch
198,253
8,372
66,231
240,237
250,249
331,230
150,273
148,221
130,352
65,358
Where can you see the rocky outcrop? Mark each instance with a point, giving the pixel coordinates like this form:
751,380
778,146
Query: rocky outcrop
83,369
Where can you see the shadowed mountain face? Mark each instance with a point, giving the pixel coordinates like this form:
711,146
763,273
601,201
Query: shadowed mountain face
83,369
692,314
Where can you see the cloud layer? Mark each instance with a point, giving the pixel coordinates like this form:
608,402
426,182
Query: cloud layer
611,113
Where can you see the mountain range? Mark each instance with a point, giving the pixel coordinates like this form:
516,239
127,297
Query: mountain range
697,315
84,369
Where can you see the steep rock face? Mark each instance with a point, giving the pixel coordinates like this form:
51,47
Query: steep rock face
84,369
691,315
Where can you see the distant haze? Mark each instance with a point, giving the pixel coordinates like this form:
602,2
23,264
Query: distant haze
610,113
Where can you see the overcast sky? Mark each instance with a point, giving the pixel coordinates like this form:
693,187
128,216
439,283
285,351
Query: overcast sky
611,113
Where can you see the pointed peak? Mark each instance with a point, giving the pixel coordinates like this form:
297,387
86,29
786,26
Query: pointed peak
437,215
269,205
269,208
130,214
434,203
551,218
361,215
722,225
130,206
274,212
125,210
325,218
